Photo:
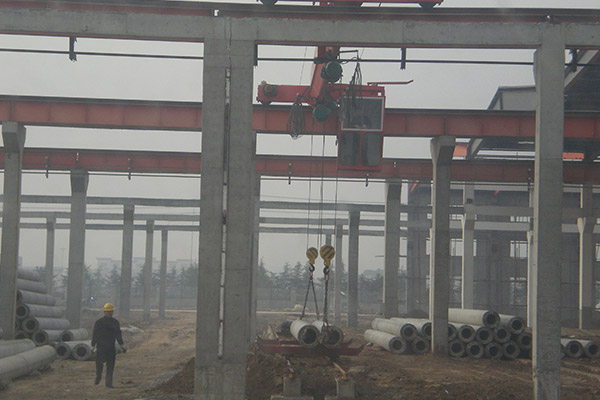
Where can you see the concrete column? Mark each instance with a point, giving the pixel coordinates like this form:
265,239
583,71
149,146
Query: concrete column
79,184
417,266
442,149
468,235
547,214
338,275
227,218
126,262
587,249
50,231
147,272
13,136
353,269
255,247
162,293
530,263
392,249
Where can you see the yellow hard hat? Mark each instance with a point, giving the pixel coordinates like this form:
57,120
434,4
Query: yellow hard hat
109,307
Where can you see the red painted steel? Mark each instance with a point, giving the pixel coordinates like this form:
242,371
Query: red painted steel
290,166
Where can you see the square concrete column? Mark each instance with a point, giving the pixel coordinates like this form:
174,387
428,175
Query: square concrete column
338,264
79,185
353,269
255,247
147,272
587,249
126,262
13,135
468,236
162,292
547,214
442,149
50,233
417,264
227,218
530,263
392,249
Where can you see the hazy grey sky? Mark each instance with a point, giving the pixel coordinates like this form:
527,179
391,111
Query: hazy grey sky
435,86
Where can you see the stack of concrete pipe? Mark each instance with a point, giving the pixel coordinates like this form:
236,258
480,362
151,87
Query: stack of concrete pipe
79,350
21,357
311,335
579,348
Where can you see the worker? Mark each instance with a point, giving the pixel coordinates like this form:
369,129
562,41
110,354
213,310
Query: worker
106,331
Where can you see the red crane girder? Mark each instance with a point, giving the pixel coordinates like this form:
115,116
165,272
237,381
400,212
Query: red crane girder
187,116
140,162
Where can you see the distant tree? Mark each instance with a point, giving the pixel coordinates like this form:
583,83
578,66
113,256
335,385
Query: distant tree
114,278
264,277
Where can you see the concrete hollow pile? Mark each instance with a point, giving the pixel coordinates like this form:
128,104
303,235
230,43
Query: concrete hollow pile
26,362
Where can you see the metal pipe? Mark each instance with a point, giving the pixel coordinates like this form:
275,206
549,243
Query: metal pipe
25,363
590,348
69,335
20,334
573,348
11,347
24,311
524,340
423,326
514,324
466,333
27,297
305,333
510,350
331,336
393,344
45,336
501,335
456,348
33,324
492,350
483,334
406,331
28,274
474,349
473,317
420,345
31,286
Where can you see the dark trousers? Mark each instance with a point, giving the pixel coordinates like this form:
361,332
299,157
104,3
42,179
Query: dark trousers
105,356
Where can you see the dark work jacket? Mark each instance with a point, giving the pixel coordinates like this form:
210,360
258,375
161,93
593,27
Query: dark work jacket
106,330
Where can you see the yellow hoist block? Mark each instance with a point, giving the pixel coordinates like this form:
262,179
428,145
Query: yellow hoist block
327,253
312,254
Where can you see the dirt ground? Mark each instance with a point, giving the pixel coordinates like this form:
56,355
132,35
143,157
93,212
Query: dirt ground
159,366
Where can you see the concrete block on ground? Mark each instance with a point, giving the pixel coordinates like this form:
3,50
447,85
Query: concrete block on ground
280,397
292,387
346,389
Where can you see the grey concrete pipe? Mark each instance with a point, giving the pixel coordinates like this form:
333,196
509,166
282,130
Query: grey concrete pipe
69,335
466,333
510,350
331,336
33,324
501,335
82,351
456,348
11,347
27,297
406,331
473,317
31,286
420,345
46,336
524,340
35,310
483,334
393,344
474,349
590,348
452,332
305,333
1,333
573,348
514,324
492,350
20,334
25,363
64,349
28,274
563,351
423,326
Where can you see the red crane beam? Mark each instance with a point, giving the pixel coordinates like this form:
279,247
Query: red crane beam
147,162
168,115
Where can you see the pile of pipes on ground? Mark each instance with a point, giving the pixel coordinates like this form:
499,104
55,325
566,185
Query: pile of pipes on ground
37,316
311,335
20,357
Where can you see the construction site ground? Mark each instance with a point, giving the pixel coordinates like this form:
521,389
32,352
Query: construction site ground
159,365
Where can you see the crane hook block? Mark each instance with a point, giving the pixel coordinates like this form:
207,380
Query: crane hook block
327,253
312,254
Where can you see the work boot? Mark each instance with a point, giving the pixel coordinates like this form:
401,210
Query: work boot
98,379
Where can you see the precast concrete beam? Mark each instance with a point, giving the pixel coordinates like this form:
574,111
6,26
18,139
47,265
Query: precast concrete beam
392,249
126,262
13,135
587,250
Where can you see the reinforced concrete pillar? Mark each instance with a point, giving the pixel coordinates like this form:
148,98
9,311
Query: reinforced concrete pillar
50,232
468,236
147,272
126,262
255,247
227,217
530,262
353,269
79,185
442,149
587,249
392,249
547,213
13,135
338,264
162,292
